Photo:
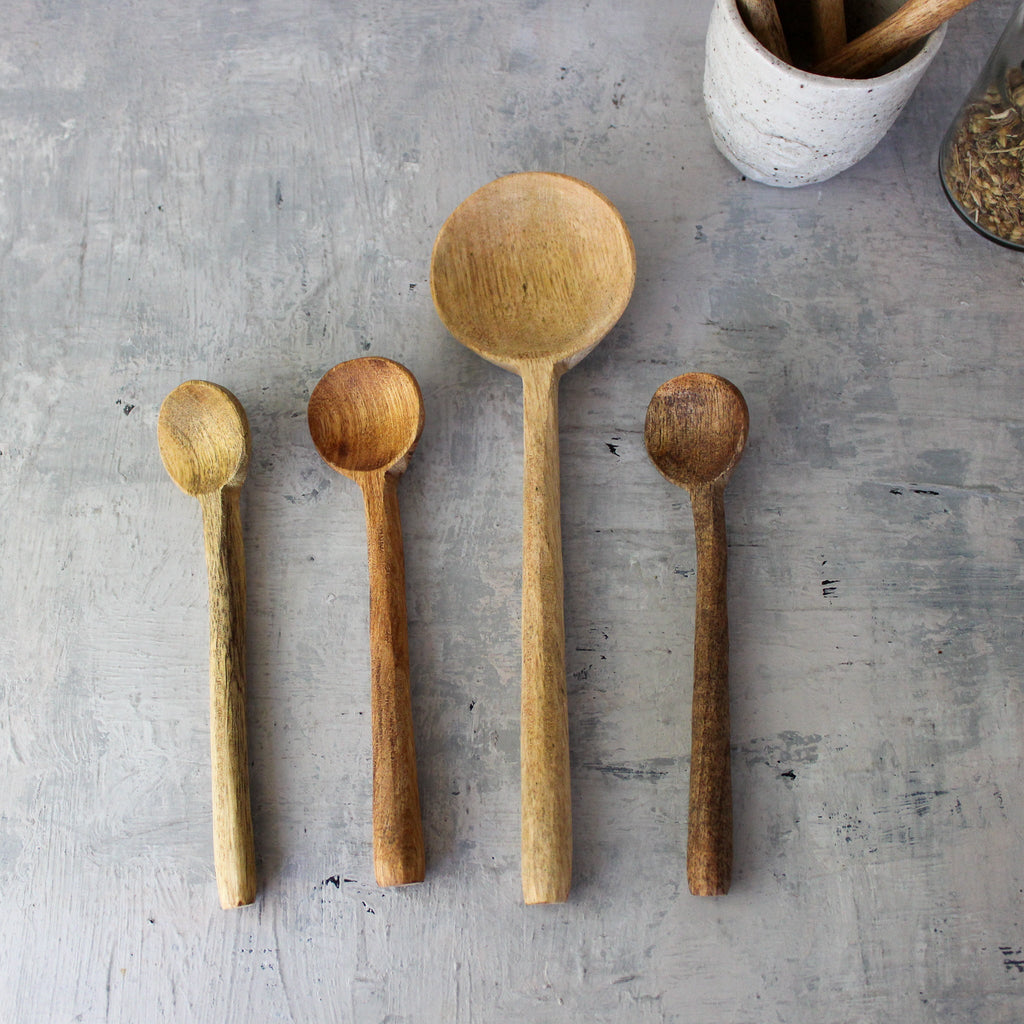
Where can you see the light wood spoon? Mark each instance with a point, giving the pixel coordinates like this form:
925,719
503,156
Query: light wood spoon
695,433
365,418
531,272
204,440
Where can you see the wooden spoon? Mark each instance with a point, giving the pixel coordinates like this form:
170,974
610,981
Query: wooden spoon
762,18
695,432
205,445
531,272
863,56
365,418
828,27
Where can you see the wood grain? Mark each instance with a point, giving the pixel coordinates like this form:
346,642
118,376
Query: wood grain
828,28
398,854
233,843
762,18
709,831
863,56
544,721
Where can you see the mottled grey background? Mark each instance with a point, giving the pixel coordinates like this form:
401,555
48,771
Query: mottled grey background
249,194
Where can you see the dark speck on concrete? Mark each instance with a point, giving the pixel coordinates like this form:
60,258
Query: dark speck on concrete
1013,959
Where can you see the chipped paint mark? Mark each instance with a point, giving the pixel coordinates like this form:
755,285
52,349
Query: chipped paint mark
646,770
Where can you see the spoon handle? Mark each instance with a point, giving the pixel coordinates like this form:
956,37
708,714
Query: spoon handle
398,857
234,855
828,27
544,728
709,844
868,52
762,18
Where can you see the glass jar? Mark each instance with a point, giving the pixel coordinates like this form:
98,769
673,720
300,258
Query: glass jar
981,163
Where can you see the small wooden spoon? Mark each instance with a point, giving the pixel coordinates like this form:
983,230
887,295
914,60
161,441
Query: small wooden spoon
205,445
695,433
365,418
531,272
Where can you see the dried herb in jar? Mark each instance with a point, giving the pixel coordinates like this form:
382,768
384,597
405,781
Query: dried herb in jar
985,168
982,160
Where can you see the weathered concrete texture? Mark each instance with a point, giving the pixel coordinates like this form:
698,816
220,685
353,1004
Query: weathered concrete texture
249,194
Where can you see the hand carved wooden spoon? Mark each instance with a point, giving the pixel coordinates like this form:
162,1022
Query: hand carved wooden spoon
204,442
695,433
365,418
531,272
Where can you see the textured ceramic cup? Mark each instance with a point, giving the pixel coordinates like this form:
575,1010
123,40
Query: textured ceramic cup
783,126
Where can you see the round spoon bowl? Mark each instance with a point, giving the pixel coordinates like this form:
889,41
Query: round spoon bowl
696,428
204,438
532,266
366,416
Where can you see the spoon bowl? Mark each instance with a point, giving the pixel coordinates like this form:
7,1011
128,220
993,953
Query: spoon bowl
531,272
204,440
696,429
532,266
366,416
695,432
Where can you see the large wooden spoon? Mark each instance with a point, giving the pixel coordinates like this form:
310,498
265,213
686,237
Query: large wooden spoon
531,272
695,433
365,418
205,445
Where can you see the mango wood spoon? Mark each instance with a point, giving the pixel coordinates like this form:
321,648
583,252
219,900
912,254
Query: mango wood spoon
695,433
204,441
365,418
531,272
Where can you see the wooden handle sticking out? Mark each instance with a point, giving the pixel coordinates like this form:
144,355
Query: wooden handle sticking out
709,842
233,848
398,856
864,55
762,18
544,736
828,27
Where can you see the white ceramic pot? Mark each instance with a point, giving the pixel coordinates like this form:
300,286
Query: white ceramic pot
783,126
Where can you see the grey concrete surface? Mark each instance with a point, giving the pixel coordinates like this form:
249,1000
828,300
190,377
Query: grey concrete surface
249,193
